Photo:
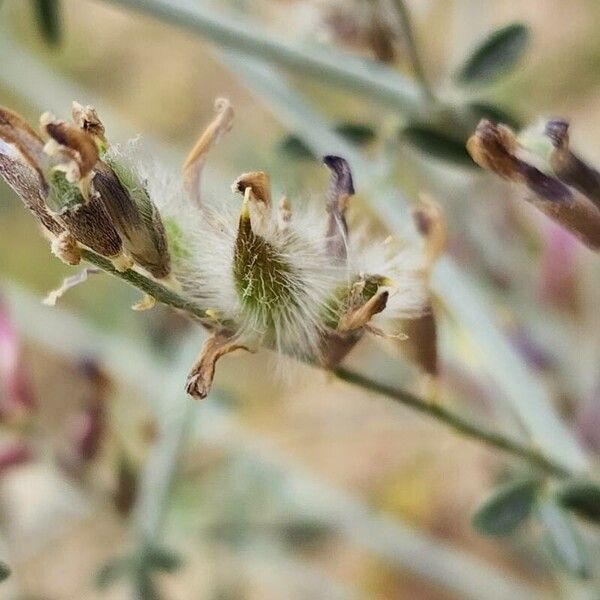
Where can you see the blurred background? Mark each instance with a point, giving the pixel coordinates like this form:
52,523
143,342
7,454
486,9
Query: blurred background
306,488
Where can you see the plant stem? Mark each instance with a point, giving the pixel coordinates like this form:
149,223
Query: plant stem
413,51
435,411
368,78
456,422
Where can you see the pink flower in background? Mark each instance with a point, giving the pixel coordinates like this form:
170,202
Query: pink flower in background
15,387
558,269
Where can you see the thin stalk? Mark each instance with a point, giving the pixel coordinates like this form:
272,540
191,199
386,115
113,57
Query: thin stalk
441,414
456,422
367,78
413,50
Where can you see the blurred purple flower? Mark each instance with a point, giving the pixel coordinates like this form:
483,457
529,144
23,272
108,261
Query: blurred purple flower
14,455
558,269
17,392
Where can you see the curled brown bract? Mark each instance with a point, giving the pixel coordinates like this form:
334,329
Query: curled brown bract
495,148
200,378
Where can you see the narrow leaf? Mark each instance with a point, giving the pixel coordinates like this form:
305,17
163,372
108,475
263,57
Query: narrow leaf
496,55
506,508
161,559
358,133
582,497
49,20
295,148
438,145
563,541
112,571
491,112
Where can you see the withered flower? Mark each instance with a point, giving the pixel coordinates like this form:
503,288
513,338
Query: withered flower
562,185
295,281
47,179
84,192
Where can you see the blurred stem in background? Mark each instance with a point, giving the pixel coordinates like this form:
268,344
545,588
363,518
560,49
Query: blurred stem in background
413,49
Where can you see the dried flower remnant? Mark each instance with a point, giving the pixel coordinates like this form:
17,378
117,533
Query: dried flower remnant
84,192
40,175
421,346
291,277
558,194
15,387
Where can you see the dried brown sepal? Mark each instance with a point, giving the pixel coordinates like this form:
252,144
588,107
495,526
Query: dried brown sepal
341,188
21,150
421,345
569,167
494,147
201,376
136,219
194,163
86,118
65,247
75,145
258,182
358,316
431,224
90,225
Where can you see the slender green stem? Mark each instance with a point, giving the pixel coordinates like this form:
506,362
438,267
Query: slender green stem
413,50
435,411
148,286
456,422
367,78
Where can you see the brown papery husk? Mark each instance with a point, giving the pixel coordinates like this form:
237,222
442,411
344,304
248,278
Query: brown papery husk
421,346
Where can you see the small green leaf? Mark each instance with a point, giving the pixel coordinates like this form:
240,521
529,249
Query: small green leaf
507,507
112,571
357,133
162,559
582,497
295,148
563,541
483,110
4,571
49,20
496,55
438,145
